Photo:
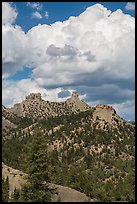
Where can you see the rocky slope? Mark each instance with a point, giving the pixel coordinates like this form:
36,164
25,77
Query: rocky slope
34,106
63,194
6,123
92,149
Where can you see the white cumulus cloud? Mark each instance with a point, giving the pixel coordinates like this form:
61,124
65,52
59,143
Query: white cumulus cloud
107,39
37,15
15,49
130,6
46,14
23,88
9,13
35,5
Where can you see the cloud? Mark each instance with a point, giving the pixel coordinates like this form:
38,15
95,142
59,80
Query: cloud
46,14
130,6
19,88
126,109
67,50
37,15
35,5
23,88
64,94
9,14
123,100
38,7
76,49
15,49
106,94
95,50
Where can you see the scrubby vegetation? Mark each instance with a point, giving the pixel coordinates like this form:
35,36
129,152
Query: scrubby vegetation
99,162
5,189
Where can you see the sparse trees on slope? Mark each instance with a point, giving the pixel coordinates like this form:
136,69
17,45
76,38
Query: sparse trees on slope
15,195
5,189
37,189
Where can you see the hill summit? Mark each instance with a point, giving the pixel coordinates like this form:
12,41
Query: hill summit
34,106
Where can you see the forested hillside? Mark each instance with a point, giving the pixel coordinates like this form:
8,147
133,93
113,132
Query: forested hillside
92,151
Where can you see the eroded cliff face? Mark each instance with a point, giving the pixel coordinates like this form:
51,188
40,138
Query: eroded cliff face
107,114
76,104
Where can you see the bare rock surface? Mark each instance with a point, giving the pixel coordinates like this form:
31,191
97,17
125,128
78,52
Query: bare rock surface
66,194
63,193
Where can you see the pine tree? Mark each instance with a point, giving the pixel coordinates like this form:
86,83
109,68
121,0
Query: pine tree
5,189
16,195
37,188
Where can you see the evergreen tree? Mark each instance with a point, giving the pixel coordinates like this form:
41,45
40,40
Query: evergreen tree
37,189
16,195
5,189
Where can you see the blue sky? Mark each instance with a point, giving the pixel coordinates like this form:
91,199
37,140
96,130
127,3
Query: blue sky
92,53
60,11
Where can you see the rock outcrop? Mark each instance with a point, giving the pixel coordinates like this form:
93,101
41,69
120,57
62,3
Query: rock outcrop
34,106
76,104
106,115
103,106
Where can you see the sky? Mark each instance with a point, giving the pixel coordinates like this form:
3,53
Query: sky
56,48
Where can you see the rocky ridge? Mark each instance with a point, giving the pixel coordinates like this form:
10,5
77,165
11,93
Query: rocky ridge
34,106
